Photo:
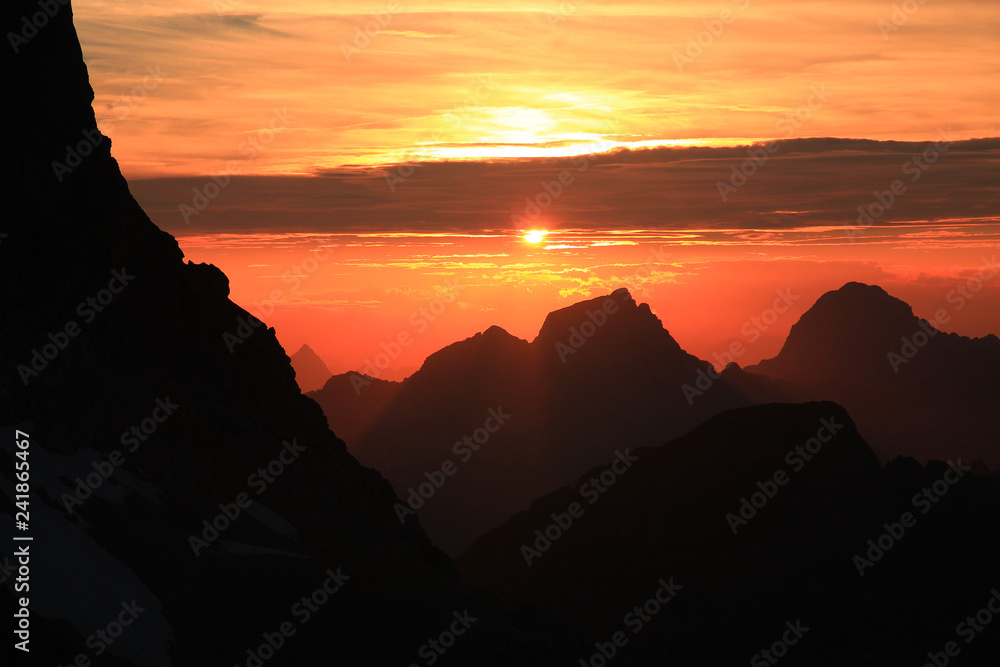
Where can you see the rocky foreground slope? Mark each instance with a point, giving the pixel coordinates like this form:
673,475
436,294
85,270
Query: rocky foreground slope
181,485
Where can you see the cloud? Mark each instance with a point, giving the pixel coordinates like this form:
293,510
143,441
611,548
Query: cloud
606,64
807,183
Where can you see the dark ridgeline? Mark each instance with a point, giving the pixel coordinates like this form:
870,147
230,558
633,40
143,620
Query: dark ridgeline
792,561
601,375
599,389
574,399
161,337
353,402
310,371
912,389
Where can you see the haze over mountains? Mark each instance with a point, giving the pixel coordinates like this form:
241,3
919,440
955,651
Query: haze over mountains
575,399
912,388
175,473
610,495
600,376
764,519
310,371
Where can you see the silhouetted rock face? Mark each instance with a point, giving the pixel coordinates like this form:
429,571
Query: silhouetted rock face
601,375
144,424
757,515
310,371
623,325
845,336
913,389
352,402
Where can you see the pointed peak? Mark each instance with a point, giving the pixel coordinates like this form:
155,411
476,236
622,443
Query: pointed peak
623,324
560,320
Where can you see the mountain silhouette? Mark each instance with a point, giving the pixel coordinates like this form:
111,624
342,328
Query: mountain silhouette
763,517
354,402
601,374
310,371
912,389
178,475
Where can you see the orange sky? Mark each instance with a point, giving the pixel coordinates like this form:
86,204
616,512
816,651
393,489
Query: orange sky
447,78
350,297
326,142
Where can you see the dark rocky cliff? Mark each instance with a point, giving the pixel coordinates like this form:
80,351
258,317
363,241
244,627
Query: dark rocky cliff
214,427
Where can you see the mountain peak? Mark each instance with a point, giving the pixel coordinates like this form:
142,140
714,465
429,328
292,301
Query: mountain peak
310,371
559,321
616,324
222,410
856,324
864,294
486,348
495,332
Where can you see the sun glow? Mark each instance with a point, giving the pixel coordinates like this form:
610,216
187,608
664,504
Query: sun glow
535,236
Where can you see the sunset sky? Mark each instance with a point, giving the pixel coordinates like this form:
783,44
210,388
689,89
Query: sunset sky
412,145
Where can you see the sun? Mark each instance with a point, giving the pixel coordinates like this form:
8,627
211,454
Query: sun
535,236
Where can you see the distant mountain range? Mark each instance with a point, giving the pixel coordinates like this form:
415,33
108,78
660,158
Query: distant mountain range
179,480
600,376
912,389
770,524
604,374
611,496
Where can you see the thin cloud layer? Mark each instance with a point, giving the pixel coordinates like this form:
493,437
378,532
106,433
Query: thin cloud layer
803,183
560,73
